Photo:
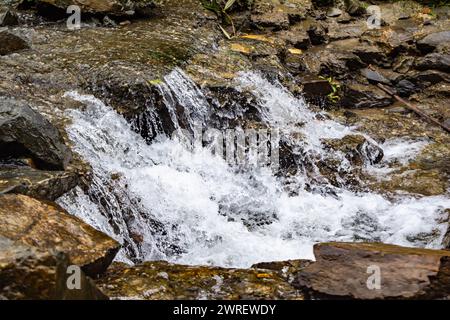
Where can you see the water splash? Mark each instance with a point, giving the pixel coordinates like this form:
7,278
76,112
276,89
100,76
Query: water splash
165,201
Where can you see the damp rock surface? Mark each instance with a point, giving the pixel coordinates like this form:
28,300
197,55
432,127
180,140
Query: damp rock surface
166,281
48,227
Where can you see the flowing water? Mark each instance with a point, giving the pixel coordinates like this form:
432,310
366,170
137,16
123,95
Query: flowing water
164,200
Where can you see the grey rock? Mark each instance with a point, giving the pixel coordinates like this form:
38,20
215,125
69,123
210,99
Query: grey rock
358,95
373,76
436,61
431,41
25,132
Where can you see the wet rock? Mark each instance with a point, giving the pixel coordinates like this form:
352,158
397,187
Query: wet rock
314,86
357,95
334,59
24,131
341,32
347,270
11,43
426,78
161,280
288,270
405,88
374,77
436,61
356,148
279,14
8,18
112,7
423,182
32,274
372,55
296,37
276,20
446,239
391,42
318,34
46,226
431,41
46,185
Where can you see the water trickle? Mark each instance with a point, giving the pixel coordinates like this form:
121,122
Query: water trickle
165,201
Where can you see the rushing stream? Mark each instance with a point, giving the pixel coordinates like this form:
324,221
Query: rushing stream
166,201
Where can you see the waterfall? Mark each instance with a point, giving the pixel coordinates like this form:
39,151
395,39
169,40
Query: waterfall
166,201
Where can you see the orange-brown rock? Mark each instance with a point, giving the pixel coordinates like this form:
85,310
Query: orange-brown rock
48,227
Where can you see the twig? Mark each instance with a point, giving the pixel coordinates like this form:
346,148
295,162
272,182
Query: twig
414,108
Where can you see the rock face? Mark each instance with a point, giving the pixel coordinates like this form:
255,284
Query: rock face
165,281
48,227
113,7
25,132
30,273
347,270
11,43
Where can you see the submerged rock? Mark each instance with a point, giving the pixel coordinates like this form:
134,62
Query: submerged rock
30,273
160,280
48,227
25,132
11,43
348,270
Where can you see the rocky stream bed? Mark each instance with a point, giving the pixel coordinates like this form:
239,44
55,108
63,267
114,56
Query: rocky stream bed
90,177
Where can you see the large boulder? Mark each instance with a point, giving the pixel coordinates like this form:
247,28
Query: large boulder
25,132
160,280
11,43
112,7
46,226
351,270
30,273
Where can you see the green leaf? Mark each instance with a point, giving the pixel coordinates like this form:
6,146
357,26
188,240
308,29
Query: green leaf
228,4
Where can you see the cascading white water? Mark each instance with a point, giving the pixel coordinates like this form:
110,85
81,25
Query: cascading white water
189,206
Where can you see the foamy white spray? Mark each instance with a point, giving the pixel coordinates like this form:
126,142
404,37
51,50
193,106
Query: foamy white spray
192,207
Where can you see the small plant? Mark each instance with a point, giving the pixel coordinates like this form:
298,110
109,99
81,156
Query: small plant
221,12
333,96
